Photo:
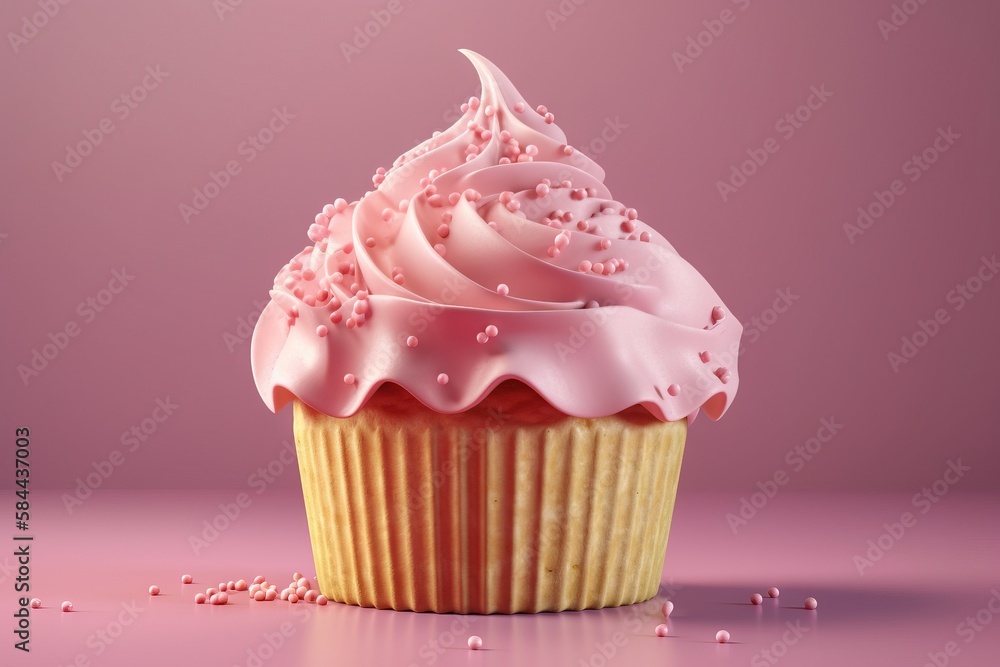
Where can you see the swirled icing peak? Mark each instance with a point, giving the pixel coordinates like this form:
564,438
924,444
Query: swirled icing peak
494,251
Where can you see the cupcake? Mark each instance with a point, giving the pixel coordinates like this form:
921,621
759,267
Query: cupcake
492,365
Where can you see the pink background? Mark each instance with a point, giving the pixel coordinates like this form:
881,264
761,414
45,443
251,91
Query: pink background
164,335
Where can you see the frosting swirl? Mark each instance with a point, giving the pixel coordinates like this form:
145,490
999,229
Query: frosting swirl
494,251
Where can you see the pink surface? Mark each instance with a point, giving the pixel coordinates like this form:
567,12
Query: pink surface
147,315
914,599
598,313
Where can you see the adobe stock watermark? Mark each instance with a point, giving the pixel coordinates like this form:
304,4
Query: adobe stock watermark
32,24
772,655
913,169
102,639
956,299
224,8
243,330
121,108
786,126
967,630
367,32
898,17
41,357
246,152
698,43
131,439
923,502
561,11
796,458
229,512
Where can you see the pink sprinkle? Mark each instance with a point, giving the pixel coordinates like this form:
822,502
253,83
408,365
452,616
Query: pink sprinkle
336,317
492,331
505,136
200,598
446,217
301,591
605,244
260,596
585,266
340,205
718,314
591,304
443,231
222,598
399,279
722,636
723,374
562,239
293,598
661,630
454,197
773,592
488,110
628,226
597,267
259,579
443,378
519,107
241,585
475,642
531,149
541,109
311,596
567,150
154,590
549,118
322,600
810,604
370,242
645,237
503,290
705,356
387,214
440,249
213,599
322,331
756,598
186,579
349,379
36,603
541,189
411,341
284,594
270,594
667,609
674,389
211,591
482,337
553,251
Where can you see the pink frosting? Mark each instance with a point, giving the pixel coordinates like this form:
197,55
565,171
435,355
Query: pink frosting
494,251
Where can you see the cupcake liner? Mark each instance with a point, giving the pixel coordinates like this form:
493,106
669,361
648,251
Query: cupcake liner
482,512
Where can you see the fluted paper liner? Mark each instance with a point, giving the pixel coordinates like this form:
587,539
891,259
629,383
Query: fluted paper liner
507,507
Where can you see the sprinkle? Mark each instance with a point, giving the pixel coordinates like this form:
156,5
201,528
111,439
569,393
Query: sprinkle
645,237
36,603
211,591
541,109
340,205
628,226
321,600
259,596
387,214
322,331
492,331
67,606
585,266
259,579
311,595
301,592
667,609
567,150
370,242
723,374
505,136
591,304
562,239
482,337
443,231
597,268
270,594
705,356
722,636
541,189
200,598
810,603
349,378
475,642
443,378
531,149
186,579
605,244
336,317
756,598
503,290
519,107
661,630
440,249
718,314
773,592
154,590
674,389
293,598
399,279
411,341
549,118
